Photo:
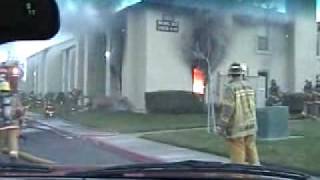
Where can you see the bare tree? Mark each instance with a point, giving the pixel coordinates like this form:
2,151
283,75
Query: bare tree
209,43
209,39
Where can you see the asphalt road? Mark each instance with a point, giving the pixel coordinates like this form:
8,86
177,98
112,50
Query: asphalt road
67,150
6,159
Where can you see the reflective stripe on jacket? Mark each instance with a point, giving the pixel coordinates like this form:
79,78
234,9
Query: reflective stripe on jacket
238,115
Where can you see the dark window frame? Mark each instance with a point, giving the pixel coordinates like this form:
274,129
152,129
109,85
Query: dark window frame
263,46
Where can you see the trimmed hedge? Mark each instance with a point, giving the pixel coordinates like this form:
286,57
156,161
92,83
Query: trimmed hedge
175,102
295,102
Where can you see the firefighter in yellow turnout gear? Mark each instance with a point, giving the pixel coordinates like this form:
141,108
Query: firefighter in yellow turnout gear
237,122
9,128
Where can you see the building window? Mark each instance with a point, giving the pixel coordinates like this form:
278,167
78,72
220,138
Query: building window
263,43
198,81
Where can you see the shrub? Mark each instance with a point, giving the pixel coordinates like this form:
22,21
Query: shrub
295,102
173,102
60,98
102,102
49,96
113,104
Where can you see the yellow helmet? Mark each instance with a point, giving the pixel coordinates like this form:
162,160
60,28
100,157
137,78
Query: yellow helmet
5,86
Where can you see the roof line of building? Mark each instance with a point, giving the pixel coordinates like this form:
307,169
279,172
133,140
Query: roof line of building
48,48
255,13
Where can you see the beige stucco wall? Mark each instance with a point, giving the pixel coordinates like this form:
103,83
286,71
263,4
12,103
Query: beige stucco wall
56,73
134,62
53,71
167,66
33,69
305,65
156,60
243,48
48,67
96,63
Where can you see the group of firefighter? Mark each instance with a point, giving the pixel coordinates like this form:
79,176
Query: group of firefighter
312,93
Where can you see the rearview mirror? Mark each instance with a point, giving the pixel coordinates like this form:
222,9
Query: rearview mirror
28,20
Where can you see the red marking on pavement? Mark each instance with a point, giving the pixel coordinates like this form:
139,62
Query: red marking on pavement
113,148
123,152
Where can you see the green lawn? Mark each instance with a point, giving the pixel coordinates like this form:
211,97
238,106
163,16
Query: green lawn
297,153
130,123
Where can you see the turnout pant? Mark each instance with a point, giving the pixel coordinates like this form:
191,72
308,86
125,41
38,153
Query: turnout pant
243,150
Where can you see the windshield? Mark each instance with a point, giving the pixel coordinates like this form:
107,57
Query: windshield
151,81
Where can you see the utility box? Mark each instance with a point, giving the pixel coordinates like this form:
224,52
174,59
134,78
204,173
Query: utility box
273,122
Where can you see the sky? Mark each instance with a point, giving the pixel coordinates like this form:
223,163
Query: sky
318,10
23,49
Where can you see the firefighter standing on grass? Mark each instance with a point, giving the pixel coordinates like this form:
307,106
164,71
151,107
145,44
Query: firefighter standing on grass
237,122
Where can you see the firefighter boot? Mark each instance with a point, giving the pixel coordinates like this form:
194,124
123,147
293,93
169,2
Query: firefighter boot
13,143
3,140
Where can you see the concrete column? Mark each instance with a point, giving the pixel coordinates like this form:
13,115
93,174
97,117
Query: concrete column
108,74
76,68
85,65
108,88
34,78
69,69
63,58
44,82
45,72
80,60
42,74
39,78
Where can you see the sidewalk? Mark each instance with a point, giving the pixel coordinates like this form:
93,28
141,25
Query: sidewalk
130,146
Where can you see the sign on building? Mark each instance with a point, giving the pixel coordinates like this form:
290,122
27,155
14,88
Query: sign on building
168,24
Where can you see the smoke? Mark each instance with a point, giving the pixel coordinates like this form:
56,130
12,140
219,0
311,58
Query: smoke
213,24
79,16
211,36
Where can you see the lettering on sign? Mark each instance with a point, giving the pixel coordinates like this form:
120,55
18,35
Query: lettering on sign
167,24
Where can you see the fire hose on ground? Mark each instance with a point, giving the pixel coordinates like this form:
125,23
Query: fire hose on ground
24,155
28,157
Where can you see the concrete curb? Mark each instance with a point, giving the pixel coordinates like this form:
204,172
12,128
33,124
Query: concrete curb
131,155
123,152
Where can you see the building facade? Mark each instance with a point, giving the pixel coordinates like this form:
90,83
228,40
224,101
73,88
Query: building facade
77,63
147,56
